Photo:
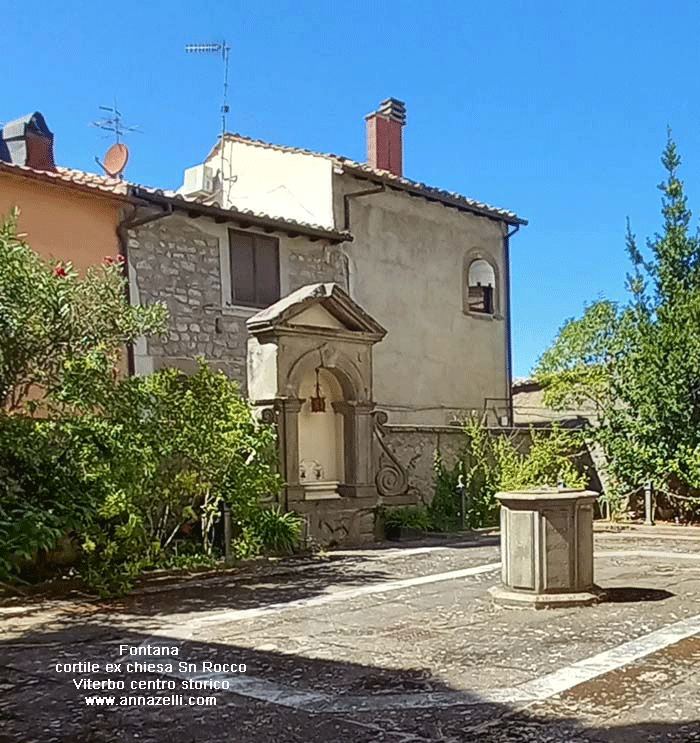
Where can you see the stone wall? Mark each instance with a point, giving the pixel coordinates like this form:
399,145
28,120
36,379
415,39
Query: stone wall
313,263
414,447
178,261
174,263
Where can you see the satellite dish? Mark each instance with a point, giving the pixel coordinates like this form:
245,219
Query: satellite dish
115,159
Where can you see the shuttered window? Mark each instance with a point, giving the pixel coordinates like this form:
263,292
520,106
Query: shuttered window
255,273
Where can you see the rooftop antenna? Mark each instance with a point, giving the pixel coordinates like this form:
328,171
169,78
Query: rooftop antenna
117,155
215,48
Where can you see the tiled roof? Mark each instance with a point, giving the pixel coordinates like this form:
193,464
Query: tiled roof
95,180
129,191
364,170
69,176
331,296
259,219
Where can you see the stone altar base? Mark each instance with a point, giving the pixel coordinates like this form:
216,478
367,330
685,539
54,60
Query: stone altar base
514,599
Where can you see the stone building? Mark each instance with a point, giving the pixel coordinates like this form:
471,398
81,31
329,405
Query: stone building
402,291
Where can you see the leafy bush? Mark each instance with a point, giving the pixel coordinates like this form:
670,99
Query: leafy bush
138,468
178,446
548,462
410,517
46,487
491,463
51,316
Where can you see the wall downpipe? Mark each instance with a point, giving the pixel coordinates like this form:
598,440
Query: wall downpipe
366,192
129,223
509,343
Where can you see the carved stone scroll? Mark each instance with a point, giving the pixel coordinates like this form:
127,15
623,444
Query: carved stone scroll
391,478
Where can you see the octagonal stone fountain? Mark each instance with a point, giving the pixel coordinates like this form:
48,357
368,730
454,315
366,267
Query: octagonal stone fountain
547,549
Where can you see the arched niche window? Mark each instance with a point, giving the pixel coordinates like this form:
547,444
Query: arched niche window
481,287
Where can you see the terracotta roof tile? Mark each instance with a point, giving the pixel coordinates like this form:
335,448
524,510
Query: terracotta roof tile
94,180
290,225
79,178
127,190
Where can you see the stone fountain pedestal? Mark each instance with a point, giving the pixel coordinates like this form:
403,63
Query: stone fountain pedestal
547,549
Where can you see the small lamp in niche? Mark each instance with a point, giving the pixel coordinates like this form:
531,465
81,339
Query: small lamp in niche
318,402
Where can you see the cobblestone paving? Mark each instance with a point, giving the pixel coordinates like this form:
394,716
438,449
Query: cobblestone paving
430,659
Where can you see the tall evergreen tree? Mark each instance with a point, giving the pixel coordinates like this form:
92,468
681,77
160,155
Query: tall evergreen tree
641,362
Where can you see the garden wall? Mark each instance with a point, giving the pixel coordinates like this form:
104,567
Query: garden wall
414,448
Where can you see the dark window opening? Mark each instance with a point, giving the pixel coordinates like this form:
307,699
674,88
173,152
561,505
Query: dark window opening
255,274
481,299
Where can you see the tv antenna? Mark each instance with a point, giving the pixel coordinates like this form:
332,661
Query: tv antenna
117,155
215,48
114,123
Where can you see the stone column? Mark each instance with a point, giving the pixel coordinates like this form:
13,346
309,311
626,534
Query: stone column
357,435
289,438
364,425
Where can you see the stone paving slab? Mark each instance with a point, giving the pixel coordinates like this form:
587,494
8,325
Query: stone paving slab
425,661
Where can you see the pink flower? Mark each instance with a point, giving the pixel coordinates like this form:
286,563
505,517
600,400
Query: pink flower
108,260
60,270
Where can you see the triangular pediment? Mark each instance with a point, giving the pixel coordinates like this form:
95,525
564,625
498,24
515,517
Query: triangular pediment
317,316
326,307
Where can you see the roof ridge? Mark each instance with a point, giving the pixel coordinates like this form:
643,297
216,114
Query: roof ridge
452,198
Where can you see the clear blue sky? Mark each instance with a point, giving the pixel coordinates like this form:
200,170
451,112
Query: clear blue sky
555,110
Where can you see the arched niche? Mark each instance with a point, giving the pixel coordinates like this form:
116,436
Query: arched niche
481,286
321,433
326,454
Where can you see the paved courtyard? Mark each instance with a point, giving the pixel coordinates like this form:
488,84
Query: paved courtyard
399,643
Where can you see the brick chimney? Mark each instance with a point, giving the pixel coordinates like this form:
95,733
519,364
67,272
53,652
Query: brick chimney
385,136
28,141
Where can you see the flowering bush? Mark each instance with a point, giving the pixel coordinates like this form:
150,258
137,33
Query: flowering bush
50,317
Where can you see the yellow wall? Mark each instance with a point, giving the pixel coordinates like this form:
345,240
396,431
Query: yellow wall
62,223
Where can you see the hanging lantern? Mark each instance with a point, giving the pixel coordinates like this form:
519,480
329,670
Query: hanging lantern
318,402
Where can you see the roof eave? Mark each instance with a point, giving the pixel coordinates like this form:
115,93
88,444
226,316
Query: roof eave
45,177
426,193
246,220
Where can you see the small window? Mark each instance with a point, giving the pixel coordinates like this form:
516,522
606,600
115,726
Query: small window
255,274
481,287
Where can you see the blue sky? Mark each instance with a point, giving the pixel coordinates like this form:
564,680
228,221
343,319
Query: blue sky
555,110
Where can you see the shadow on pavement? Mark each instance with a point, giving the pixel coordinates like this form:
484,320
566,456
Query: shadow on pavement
281,698
629,595
287,581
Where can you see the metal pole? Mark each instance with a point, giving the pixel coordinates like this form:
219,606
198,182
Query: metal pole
227,533
648,507
462,492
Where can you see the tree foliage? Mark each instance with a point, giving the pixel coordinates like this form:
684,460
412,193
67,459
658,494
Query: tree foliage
135,469
639,363
50,317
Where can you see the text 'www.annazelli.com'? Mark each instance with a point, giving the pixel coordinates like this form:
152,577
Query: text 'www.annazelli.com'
174,700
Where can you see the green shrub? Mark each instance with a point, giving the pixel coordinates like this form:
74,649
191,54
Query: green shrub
178,446
490,463
277,532
46,486
52,316
409,517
